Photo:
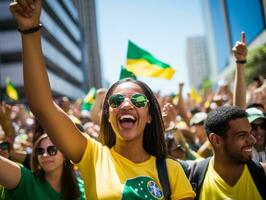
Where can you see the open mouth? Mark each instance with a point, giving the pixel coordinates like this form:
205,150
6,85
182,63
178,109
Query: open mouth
127,121
248,149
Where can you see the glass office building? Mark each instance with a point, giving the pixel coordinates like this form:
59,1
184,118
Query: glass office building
61,44
197,60
224,21
245,15
87,17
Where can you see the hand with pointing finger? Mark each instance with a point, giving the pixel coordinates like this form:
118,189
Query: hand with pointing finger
240,49
240,52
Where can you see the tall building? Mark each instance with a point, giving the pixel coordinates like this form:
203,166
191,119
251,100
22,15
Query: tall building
61,44
87,15
224,22
197,60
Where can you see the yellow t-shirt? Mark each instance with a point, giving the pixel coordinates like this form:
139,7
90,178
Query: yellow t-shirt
215,188
108,175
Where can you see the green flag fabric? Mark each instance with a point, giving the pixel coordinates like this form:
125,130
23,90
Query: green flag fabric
124,73
89,99
142,63
206,85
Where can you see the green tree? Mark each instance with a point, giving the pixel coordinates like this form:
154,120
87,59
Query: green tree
256,65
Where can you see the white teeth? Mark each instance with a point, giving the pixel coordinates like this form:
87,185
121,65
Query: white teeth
127,116
248,150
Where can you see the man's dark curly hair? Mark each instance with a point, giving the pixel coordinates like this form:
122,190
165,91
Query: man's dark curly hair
218,120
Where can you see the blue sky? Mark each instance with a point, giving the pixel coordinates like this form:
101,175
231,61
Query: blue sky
159,26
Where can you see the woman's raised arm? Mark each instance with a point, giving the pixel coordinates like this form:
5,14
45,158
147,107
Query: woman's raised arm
38,92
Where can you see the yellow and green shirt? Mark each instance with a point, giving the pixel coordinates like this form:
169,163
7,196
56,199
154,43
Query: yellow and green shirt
108,175
215,188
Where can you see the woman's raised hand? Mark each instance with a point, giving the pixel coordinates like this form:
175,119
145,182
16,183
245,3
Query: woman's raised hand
26,13
169,116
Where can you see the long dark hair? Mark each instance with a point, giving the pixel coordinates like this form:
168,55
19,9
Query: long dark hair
153,139
69,185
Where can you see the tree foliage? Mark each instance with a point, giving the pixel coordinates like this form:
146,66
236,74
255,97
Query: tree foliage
256,65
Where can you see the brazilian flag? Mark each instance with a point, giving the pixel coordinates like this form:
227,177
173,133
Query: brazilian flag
142,63
124,73
89,99
11,90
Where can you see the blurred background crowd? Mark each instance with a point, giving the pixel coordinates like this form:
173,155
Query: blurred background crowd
183,119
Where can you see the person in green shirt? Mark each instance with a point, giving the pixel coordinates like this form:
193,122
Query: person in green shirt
52,175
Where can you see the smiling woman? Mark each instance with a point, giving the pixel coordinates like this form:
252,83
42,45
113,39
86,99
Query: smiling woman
114,119
52,177
132,129
123,166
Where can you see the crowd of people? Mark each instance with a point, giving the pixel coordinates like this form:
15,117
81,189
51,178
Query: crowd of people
133,143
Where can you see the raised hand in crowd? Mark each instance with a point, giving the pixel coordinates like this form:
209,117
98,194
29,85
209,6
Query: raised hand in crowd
96,110
240,53
6,123
181,105
54,120
223,96
169,114
260,93
5,119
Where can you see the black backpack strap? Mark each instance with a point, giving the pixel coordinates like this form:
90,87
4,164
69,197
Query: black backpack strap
258,175
197,175
163,177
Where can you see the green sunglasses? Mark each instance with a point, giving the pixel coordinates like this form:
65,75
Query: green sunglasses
138,100
4,146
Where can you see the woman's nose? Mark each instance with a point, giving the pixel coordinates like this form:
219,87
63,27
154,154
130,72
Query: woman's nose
126,103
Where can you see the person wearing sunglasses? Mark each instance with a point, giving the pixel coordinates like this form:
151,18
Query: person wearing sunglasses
257,121
132,137
123,165
52,176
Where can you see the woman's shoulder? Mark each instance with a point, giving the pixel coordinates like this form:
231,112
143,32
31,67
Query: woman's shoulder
171,162
175,166
91,142
27,173
93,151
29,186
